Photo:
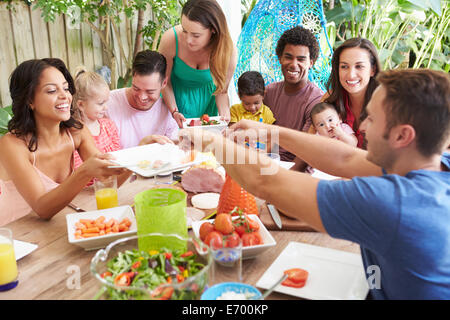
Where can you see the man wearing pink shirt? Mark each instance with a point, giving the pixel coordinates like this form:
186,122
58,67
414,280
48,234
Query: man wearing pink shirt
139,111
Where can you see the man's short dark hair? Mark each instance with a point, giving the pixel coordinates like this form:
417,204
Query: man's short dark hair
299,36
250,83
147,62
420,98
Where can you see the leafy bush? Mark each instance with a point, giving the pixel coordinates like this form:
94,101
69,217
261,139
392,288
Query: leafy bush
400,29
5,116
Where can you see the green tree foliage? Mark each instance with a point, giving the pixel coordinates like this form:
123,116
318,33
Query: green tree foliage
400,29
104,16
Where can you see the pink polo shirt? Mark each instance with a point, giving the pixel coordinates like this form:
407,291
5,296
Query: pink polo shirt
133,124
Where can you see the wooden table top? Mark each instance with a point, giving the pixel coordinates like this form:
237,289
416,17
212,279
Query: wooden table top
50,270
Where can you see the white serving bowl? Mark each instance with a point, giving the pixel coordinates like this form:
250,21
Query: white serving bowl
101,241
249,251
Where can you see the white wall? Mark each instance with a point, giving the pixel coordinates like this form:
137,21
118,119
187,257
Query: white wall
232,10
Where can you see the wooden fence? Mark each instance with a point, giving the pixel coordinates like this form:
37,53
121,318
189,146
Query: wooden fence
26,36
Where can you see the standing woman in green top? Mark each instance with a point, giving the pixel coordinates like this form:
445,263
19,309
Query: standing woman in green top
201,59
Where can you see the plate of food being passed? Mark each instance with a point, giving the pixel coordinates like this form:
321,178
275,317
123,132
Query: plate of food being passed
206,122
152,159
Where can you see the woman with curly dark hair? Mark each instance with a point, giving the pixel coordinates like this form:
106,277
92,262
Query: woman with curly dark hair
36,163
291,100
355,65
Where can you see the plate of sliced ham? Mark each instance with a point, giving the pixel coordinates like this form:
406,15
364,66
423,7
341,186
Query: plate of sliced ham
203,178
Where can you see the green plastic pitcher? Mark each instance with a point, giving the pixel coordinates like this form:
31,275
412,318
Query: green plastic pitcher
161,210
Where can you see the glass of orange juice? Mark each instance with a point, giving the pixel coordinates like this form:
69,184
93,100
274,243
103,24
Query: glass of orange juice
106,193
8,265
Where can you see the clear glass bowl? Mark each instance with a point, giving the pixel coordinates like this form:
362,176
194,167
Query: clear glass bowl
191,288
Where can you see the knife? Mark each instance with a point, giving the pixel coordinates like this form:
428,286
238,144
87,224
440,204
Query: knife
74,207
275,215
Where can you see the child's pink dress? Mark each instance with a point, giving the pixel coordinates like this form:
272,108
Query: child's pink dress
107,140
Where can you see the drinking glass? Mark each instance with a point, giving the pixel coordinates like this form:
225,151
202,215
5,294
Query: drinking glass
274,156
8,265
227,259
106,193
164,178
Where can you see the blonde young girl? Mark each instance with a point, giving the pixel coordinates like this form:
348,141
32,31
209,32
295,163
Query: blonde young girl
89,101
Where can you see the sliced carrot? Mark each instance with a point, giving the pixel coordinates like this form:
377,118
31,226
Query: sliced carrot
77,236
115,228
86,221
100,219
110,223
90,235
91,230
123,227
126,221
101,226
78,231
79,225
108,230
90,224
102,232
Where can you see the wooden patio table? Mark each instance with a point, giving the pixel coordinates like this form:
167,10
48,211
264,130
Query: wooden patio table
48,272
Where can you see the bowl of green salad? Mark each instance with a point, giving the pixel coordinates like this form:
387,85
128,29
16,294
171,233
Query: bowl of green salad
152,267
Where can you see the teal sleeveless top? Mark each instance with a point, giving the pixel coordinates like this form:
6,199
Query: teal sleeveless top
193,89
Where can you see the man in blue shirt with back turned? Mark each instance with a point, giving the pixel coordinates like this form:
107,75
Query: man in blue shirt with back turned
396,205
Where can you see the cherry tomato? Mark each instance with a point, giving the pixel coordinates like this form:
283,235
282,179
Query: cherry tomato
205,229
253,225
215,238
124,279
231,240
223,223
244,224
187,254
136,265
168,255
251,239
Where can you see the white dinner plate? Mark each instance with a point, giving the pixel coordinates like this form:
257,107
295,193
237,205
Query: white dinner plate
152,152
333,274
286,164
22,248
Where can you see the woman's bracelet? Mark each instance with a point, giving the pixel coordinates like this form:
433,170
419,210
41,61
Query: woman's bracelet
173,112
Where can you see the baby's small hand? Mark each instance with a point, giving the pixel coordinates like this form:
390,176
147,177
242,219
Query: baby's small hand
337,130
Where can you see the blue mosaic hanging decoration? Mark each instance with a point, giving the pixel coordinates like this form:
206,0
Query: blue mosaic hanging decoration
266,23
